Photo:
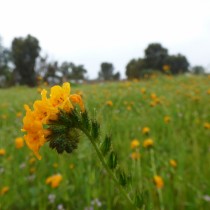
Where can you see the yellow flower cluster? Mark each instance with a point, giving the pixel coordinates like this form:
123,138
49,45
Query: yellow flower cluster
54,180
45,110
135,143
148,143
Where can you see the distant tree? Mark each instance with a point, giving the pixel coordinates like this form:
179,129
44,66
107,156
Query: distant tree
198,70
178,63
5,69
135,68
116,76
77,72
24,53
106,71
155,56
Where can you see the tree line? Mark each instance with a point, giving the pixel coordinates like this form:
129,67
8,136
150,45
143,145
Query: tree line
22,64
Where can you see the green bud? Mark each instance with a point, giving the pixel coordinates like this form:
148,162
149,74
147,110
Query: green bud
85,120
95,129
106,145
122,177
112,161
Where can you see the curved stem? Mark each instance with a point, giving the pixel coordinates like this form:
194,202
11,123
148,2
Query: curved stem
108,170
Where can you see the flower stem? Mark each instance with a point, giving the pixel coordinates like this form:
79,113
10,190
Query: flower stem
106,167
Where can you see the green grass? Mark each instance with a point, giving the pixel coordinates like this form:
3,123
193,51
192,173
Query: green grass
184,138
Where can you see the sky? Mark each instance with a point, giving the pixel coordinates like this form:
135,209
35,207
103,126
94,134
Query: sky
90,32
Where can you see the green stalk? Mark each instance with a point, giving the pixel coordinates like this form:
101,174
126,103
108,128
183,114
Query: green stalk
160,196
106,167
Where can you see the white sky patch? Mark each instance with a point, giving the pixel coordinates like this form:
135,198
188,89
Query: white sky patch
93,31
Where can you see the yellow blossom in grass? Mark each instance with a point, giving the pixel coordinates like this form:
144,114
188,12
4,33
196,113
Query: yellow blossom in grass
208,91
173,163
135,143
4,190
129,108
206,125
19,142
158,182
18,114
32,161
54,180
2,152
135,155
145,130
109,103
166,68
153,96
45,110
143,90
167,119
148,143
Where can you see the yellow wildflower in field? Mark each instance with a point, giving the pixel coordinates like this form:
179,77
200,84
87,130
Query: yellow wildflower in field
135,155
167,119
166,68
32,161
173,163
143,90
208,91
148,143
2,152
153,96
54,180
109,103
206,125
158,181
45,110
145,130
135,143
18,114
19,142
4,190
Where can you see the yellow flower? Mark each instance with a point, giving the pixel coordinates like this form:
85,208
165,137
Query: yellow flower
148,143
109,103
54,180
2,152
18,114
173,163
208,91
4,190
143,90
167,119
145,130
135,155
166,68
19,142
45,110
32,161
135,143
158,181
206,125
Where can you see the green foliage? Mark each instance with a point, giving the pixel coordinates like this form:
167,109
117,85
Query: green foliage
24,54
112,160
106,145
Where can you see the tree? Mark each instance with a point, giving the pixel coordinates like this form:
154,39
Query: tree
198,70
178,63
155,56
77,72
135,68
24,53
106,71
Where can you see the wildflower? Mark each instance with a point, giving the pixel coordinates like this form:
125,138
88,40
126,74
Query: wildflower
173,163
135,155
208,91
145,130
143,90
109,103
2,152
46,110
166,68
158,181
4,190
206,125
135,143
51,198
60,207
167,119
19,142
18,114
32,161
153,96
54,180
148,143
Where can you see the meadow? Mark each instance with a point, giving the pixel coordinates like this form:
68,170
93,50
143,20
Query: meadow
176,113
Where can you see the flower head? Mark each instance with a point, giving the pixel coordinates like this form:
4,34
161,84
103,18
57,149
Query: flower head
167,119
173,163
2,152
135,143
135,155
4,190
19,142
148,143
45,111
145,130
158,181
54,180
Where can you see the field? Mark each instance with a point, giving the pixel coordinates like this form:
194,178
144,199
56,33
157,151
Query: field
175,109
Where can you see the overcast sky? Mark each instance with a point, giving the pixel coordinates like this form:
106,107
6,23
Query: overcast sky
93,31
